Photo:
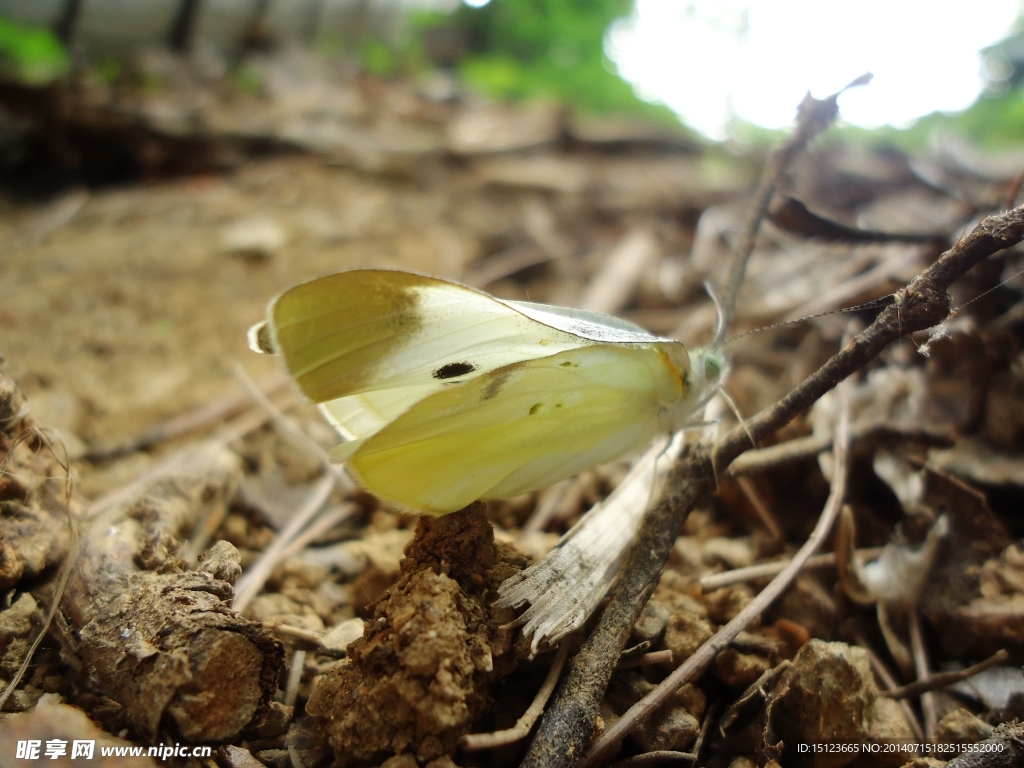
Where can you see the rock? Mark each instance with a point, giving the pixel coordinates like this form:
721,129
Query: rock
830,694
254,239
341,635
962,727
685,634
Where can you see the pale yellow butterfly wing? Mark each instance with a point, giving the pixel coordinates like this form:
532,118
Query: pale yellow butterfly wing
367,344
520,427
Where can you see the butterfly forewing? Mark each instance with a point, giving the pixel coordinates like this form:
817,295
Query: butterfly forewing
520,427
366,330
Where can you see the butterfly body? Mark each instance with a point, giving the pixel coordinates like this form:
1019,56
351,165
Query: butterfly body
448,395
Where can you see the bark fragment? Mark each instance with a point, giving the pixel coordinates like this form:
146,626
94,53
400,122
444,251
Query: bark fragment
158,639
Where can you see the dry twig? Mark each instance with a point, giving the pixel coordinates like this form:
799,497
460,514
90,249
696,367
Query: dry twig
802,448
569,723
159,640
813,117
888,681
646,660
290,430
943,679
924,303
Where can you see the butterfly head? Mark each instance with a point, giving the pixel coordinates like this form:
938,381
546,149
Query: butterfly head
708,367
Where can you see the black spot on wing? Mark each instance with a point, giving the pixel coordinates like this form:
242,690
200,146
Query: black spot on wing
452,370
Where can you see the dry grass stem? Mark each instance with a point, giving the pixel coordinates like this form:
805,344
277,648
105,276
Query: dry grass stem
764,512
888,682
253,580
291,431
474,742
928,705
291,691
769,570
66,567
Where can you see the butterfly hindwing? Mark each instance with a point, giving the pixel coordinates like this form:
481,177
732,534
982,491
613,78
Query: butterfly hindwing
520,427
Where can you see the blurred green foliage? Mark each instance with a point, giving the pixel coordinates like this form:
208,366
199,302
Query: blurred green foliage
546,49
30,55
995,120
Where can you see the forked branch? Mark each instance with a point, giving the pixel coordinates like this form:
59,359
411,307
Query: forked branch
922,304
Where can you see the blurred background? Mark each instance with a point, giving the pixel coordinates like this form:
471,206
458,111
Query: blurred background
726,70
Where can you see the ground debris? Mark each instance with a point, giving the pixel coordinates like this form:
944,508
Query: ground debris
826,694
160,640
420,675
55,722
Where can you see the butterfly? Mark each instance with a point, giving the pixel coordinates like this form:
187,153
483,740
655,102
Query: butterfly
447,395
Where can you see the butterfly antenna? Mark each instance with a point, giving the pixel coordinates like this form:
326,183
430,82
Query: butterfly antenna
884,301
955,310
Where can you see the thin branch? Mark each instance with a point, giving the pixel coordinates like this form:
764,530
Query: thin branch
709,717
698,662
473,742
928,704
764,512
330,518
253,580
646,660
658,757
769,570
813,117
944,679
569,722
802,448
298,666
1014,190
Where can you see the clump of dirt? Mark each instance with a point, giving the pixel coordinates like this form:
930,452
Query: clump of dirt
419,677
33,522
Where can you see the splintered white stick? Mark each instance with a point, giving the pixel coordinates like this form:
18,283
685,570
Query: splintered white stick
565,587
